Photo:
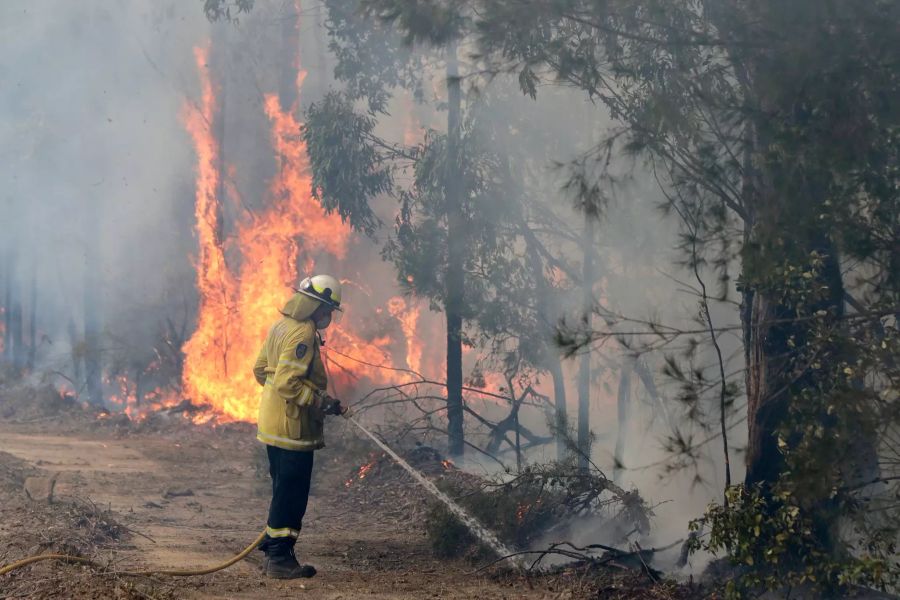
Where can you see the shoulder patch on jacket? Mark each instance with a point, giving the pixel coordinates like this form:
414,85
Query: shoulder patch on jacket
300,351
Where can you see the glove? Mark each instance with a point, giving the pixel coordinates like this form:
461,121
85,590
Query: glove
329,405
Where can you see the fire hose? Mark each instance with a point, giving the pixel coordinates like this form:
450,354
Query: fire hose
69,558
477,528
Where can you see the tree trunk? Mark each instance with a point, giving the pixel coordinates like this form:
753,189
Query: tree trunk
554,365
288,90
93,364
624,406
518,437
77,355
552,361
217,127
455,256
218,68
320,46
17,338
7,306
772,379
32,323
584,370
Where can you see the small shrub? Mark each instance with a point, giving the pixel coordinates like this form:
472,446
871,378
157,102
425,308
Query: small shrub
528,507
773,540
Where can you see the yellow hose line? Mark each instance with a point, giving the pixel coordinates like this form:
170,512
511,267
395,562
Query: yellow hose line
172,572
33,559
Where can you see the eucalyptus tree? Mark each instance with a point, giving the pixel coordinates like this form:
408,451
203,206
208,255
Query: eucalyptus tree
436,234
772,128
500,253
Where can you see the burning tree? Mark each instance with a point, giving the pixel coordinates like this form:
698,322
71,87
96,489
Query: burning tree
252,252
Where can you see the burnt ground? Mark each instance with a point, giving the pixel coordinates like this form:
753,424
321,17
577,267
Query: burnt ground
167,493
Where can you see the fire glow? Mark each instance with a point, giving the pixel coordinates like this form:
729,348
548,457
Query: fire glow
238,304
523,510
362,473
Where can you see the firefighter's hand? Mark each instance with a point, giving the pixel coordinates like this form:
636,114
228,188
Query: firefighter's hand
331,406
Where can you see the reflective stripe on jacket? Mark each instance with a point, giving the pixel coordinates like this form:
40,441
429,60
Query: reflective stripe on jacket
290,369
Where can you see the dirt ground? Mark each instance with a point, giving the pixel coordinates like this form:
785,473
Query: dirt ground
169,494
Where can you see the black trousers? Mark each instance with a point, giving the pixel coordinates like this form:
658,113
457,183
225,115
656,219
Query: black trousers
291,473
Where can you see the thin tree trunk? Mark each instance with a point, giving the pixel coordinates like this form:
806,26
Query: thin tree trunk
455,255
17,337
518,438
320,46
32,323
559,398
219,67
92,307
584,370
624,409
7,306
77,354
288,90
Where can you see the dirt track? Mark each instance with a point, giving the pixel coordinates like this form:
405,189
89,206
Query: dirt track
194,499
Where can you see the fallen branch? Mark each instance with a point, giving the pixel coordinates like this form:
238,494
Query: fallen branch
580,554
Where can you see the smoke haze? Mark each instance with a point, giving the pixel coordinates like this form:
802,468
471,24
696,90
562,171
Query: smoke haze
98,206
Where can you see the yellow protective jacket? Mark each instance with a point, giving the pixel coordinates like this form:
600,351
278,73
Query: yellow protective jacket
290,369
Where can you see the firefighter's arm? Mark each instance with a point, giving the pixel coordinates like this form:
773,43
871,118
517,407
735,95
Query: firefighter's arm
259,368
291,380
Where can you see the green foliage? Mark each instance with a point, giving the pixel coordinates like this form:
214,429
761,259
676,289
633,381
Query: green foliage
420,243
420,21
448,537
372,60
217,10
769,128
348,171
538,501
352,166
516,515
773,541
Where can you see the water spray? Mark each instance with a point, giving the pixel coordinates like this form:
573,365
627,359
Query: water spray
484,534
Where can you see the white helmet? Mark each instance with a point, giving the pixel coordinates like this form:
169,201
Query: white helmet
324,288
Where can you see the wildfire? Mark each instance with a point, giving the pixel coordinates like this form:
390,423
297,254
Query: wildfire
207,351
124,395
238,304
362,472
523,509
409,319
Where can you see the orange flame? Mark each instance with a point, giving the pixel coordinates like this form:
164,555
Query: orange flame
523,510
124,396
237,306
363,471
409,319
207,353
236,309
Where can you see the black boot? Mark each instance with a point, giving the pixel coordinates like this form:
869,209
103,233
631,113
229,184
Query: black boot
284,565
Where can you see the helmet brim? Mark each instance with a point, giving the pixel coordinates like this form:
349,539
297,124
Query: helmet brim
327,303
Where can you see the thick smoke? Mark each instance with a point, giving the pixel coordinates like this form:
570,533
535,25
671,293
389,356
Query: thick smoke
98,198
96,170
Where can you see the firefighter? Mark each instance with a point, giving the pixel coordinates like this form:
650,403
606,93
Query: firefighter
292,414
